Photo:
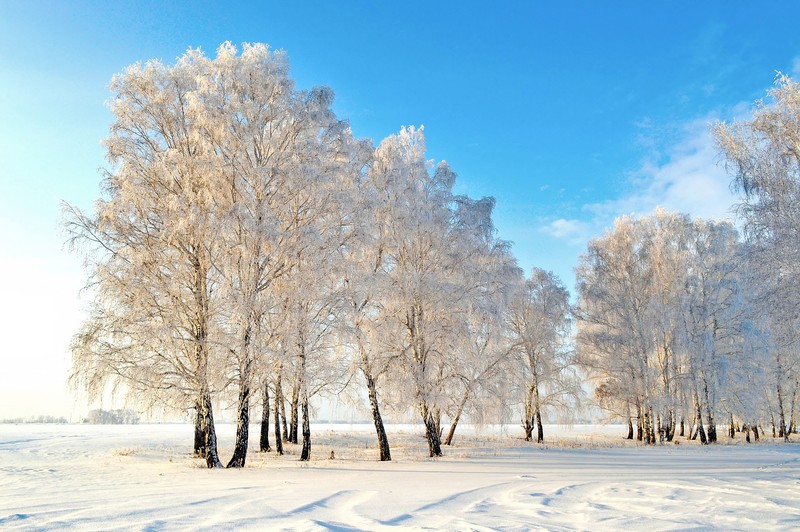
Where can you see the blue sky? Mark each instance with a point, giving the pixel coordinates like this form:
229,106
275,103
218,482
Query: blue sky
570,115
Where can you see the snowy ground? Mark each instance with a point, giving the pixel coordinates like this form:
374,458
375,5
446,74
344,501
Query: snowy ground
144,477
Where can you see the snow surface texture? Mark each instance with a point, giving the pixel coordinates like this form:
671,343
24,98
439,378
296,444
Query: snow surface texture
144,477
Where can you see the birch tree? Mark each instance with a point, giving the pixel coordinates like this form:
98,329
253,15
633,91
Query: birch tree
712,314
418,260
151,245
486,274
615,286
285,152
763,157
366,292
539,319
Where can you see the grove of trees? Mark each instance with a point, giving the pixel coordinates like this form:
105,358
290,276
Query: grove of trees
247,246
112,417
248,249
682,324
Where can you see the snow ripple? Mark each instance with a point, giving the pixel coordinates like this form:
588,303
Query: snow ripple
85,482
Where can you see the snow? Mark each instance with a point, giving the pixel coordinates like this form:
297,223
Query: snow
143,477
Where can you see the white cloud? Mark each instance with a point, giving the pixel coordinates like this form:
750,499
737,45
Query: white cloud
574,231
796,66
691,179
686,176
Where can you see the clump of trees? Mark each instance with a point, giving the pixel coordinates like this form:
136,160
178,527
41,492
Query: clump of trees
248,247
662,322
112,417
681,322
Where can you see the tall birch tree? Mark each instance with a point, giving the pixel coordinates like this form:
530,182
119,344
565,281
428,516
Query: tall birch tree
152,245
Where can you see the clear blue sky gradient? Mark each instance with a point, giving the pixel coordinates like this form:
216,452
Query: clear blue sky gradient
568,113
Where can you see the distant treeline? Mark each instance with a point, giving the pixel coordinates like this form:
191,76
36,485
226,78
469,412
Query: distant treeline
95,417
36,419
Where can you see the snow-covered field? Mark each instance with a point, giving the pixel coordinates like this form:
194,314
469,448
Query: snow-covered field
144,477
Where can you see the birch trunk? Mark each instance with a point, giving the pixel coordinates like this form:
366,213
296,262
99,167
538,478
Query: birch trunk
527,423
199,431
293,409
431,434
243,408
451,433
212,456
281,400
265,448
538,412
712,428
630,421
305,455
278,396
201,353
